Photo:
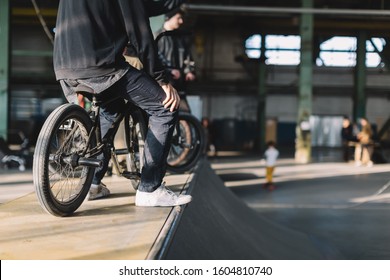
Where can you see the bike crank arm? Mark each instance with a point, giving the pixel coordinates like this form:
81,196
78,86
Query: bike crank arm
75,160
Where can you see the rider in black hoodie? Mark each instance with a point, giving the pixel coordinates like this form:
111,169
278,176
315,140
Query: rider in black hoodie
91,37
88,56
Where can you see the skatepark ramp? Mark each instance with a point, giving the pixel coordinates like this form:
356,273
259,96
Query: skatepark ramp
218,225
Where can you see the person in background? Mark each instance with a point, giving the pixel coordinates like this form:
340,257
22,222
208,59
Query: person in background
210,136
364,148
271,155
175,54
347,137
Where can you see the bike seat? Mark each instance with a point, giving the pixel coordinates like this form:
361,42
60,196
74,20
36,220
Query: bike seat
90,94
87,92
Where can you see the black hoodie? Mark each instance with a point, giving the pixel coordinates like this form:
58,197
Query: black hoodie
92,34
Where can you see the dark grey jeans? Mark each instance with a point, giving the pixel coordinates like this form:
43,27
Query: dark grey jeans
139,88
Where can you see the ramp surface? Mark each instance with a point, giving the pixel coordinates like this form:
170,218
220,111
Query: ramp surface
106,229
218,225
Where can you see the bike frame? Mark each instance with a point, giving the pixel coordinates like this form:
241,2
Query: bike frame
105,142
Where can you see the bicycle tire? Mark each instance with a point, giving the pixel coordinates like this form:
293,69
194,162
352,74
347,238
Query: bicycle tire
136,143
60,186
183,156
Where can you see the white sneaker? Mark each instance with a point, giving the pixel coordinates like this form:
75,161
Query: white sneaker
161,197
98,191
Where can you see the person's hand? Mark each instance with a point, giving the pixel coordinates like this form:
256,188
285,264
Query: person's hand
190,76
175,74
172,101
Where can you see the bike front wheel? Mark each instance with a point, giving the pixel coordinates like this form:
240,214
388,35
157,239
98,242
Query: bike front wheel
188,144
61,184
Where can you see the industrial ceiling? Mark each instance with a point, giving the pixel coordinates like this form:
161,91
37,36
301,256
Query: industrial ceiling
331,17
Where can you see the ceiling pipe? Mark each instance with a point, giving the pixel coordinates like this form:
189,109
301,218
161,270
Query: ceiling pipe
254,10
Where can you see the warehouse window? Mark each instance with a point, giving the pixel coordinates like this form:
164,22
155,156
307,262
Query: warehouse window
373,46
341,51
338,51
252,46
280,50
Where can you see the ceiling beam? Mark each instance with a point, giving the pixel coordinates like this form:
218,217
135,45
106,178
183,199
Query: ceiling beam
255,10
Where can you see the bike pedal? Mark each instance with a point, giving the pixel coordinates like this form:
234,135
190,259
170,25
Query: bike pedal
131,175
121,151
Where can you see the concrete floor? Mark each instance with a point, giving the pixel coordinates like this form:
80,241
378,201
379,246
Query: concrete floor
347,206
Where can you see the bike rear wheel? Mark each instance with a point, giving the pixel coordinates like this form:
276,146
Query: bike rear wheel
60,183
188,144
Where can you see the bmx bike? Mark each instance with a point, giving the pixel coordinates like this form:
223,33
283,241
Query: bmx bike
70,140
